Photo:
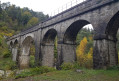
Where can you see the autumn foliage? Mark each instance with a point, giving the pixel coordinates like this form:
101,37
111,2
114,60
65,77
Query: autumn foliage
84,52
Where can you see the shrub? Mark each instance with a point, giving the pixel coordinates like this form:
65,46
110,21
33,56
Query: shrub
35,71
13,65
10,65
32,61
113,68
118,57
77,66
6,54
67,66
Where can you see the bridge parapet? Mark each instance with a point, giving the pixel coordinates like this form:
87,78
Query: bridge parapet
14,36
35,28
76,10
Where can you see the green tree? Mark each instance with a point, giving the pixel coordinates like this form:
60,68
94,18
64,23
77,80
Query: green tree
26,17
32,21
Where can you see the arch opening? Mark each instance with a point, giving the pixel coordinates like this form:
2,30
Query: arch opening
15,42
11,45
112,27
72,31
78,43
49,36
49,48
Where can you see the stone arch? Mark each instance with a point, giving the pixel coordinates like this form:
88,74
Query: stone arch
49,36
48,48
72,30
26,42
69,40
24,57
112,27
16,41
111,32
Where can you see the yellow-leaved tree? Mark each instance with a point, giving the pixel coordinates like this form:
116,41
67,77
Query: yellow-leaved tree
81,51
83,58
89,61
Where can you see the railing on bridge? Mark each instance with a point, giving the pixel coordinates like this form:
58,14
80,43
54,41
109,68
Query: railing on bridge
66,6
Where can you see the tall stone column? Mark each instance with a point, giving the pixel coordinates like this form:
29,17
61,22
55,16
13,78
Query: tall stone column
100,54
14,53
12,50
59,56
38,56
66,53
113,54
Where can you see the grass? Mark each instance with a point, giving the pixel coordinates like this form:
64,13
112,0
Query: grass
34,71
70,75
88,75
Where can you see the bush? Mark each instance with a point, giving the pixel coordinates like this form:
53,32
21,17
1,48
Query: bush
67,66
11,66
77,66
6,54
35,71
32,61
113,68
7,64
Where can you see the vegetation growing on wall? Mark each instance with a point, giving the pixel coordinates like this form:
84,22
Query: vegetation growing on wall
32,55
55,51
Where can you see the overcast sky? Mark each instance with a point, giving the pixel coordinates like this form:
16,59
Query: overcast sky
46,6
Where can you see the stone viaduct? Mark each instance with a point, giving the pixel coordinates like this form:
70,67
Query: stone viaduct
103,15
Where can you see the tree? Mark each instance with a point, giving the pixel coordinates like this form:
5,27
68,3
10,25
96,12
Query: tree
19,18
26,17
81,56
32,21
0,8
81,48
84,49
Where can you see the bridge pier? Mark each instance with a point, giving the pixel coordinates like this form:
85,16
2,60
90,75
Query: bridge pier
24,61
59,56
14,50
69,53
14,53
113,53
48,55
24,58
66,54
104,54
38,55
